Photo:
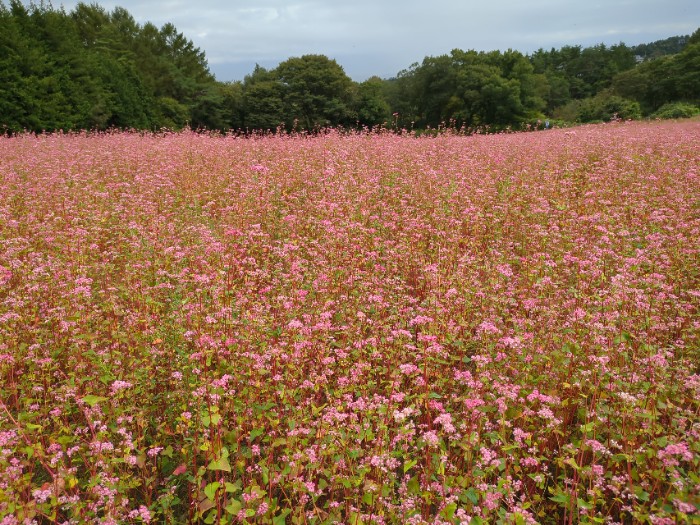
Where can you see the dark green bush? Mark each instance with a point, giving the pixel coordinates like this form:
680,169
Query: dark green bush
676,110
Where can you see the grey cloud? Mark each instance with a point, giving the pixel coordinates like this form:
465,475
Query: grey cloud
383,36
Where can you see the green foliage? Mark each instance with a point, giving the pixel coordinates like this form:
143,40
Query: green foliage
659,48
371,105
262,100
470,89
315,91
685,69
673,78
98,69
172,114
676,110
498,90
307,92
603,107
232,110
92,69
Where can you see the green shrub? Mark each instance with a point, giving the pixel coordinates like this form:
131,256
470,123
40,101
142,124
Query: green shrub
569,112
603,107
676,110
617,107
172,114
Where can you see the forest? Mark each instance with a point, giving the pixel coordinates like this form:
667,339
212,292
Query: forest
95,69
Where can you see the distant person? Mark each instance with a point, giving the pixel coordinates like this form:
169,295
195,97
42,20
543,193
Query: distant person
546,124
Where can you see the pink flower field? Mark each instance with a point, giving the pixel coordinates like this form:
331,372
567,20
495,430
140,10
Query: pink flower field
363,328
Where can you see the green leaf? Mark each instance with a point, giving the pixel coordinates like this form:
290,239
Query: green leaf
93,400
572,463
231,488
234,507
641,494
413,485
407,465
355,519
210,490
583,504
588,427
279,442
282,518
471,495
65,440
561,498
220,464
449,511
623,337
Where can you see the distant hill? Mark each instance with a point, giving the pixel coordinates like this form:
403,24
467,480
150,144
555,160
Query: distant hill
667,46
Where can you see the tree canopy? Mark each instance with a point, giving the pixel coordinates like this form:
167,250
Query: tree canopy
96,69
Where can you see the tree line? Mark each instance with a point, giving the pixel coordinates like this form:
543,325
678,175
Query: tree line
96,69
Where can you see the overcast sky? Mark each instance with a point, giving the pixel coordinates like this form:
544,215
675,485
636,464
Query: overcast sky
382,37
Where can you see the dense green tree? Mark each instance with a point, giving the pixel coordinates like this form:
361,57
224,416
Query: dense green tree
659,48
399,94
598,64
685,68
574,72
90,22
42,81
488,98
533,87
371,105
16,56
634,84
95,69
316,91
207,109
474,89
171,114
263,107
695,37
232,105
559,92
435,82
670,78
